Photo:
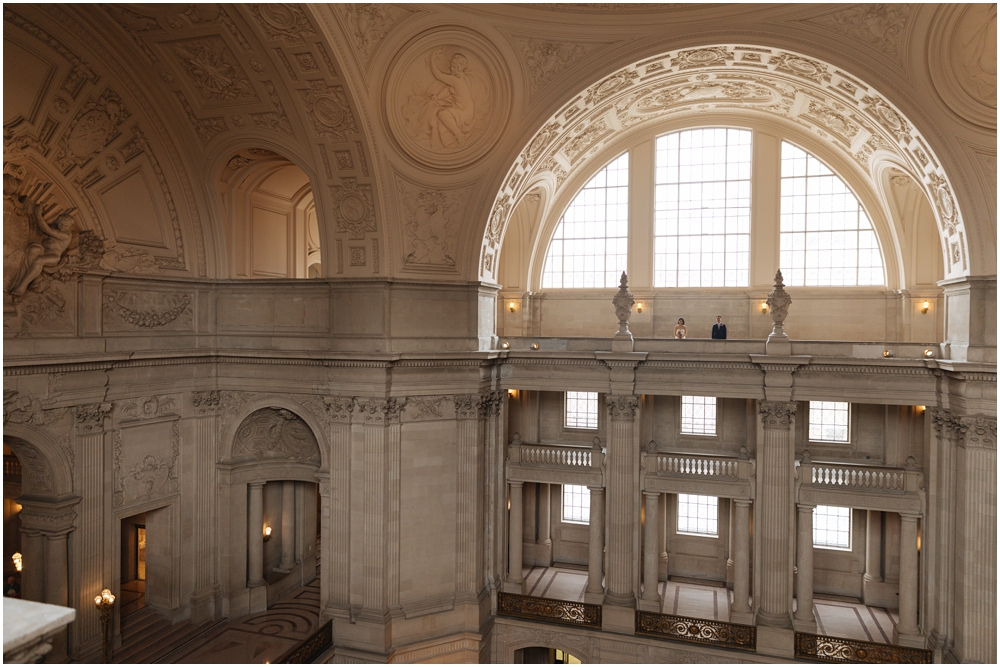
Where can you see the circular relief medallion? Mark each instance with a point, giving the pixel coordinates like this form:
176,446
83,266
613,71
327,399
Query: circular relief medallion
328,111
352,208
962,58
448,98
279,16
90,132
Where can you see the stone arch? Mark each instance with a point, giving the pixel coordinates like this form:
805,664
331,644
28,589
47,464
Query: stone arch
259,431
46,467
853,119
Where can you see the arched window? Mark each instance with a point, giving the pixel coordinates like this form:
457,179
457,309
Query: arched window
826,235
702,224
590,244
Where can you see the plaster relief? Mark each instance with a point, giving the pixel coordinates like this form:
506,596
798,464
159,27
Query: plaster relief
146,407
431,220
881,25
94,127
282,21
964,61
214,70
145,462
126,310
447,99
273,433
544,59
368,24
329,111
272,120
353,208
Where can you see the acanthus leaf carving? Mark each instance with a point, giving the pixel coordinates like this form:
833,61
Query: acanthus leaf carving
368,24
91,417
146,407
93,127
276,120
214,70
881,25
777,415
380,411
430,224
339,408
545,59
469,406
622,407
206,402
21,408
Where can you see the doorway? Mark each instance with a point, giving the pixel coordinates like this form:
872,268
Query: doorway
133,587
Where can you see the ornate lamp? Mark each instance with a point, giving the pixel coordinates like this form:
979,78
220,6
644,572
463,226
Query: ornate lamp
105,601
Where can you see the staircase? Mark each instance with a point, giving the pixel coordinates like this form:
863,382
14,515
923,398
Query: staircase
148,637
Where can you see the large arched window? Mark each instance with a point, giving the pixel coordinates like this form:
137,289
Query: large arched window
590,244
826,236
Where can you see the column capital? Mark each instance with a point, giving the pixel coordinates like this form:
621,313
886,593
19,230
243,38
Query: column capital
91,417
806,507
777,415
910,516
257,484
742,502
516,484
622,407
470,406
380,411
652,494
972,431
599,490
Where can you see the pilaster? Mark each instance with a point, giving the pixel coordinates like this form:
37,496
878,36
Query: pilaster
335,582
206,586
470,411
621,565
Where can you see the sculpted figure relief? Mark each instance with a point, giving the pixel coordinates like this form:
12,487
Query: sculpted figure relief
47,254
977,33
447,110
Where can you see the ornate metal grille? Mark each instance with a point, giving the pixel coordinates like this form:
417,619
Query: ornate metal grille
696,630
312,648
552,611
832,649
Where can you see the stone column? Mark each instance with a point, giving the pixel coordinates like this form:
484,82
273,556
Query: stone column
621,562
56,569
664,543
255,535
907,578
545,523
33,568
335,494
470,411
515,577
204,598
595,560
873,547
740,612
287,526
651,560
495,441
774,518
804,619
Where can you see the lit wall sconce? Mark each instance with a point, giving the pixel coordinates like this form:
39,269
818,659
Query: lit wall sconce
638,307
505,345
928,353
926,307
512,393
18,560
267,533
763,308
887,354
512,306
534,346
921,408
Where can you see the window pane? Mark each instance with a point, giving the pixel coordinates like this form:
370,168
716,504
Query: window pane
826,236
576,503
829,421
581,409
590,245
698,515
702,214
832,527
698,415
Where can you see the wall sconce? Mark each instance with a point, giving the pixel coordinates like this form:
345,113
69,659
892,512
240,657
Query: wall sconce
18,560
267,533
763,308
921,408
505,345
638,307
926,307
928,353
512,306
105,601
887,354
512,393
534,346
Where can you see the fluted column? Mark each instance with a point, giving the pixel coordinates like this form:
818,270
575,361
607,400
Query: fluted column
255,535
804,619
873,546
469,411
287,526
621,562
515,578
205,406
595,560
495,489
907,577
335,496
741,558
545,515
774,515
651,560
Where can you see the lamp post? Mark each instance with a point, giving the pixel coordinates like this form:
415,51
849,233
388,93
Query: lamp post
105,601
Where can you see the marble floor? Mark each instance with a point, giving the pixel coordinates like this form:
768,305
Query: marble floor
834,617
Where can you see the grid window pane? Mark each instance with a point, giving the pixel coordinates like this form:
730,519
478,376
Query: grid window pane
826,235
581,409
698,415
829,421
832,527
590,245
702,214
576,504
697,515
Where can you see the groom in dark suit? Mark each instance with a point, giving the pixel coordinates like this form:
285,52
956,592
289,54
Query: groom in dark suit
719,329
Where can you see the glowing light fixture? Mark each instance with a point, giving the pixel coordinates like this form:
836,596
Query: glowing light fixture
928,353
505,345
512,306
927,306
267,533
763,307
18,561
534,346
639,307
888,354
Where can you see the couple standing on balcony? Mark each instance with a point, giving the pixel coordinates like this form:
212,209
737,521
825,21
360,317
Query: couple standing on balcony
718,329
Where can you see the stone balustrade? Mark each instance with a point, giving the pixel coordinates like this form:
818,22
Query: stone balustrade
554,464
558,456
877,488
677,464
722,476
865,478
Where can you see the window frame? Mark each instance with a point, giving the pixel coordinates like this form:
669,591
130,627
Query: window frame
850,424
597,413
685,533
850,530
680,420
562,505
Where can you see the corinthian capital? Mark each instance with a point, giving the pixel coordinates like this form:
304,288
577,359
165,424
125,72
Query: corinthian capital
91,417
622,407
777,414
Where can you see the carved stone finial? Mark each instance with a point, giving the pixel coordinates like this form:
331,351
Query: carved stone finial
911,463
597,442
651,446
623,302
807,456
744,454
516,439
778,302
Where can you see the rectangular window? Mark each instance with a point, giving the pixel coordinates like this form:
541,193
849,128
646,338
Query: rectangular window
702,215
832,527
698,415
829,421
575,504
581,409
697,515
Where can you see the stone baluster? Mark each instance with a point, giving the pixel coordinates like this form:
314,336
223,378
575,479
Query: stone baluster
255,535
515,577
907,625
804,619
595,562
651,555
287,526
621,563
774,519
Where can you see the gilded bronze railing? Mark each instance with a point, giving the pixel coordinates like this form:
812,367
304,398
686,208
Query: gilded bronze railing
832,649
696,630
310,649
552,611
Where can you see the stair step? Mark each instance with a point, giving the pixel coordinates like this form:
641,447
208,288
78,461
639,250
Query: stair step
198,633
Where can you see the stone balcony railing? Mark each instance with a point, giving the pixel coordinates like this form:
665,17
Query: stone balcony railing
723,476
555,464
862,487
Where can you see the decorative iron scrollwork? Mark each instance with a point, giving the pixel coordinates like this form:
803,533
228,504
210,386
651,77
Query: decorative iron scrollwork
310,649
832,649
552,611
696,630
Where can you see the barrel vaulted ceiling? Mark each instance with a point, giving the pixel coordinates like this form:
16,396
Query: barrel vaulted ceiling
412,120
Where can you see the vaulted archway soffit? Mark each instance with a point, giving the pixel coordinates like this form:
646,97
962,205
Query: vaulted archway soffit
845,113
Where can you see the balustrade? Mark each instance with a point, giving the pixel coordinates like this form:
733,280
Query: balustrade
885,479
551,611
672,464
696,630
831,649
556,456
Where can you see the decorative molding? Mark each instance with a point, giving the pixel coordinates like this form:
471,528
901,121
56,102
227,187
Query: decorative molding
833,649
214,71
879,25
353,208
329,111
149,310
22,408
339,409
696,630
150,478
431,219
148,407
91,417
94,126
380,411
273,120
422,408
469,406
622,407
275,433
544,59
777,415
206,402
282,22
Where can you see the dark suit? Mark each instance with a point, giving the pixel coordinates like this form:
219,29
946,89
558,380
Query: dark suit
719,331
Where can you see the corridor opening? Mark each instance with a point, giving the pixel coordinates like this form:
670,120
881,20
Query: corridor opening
133,562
